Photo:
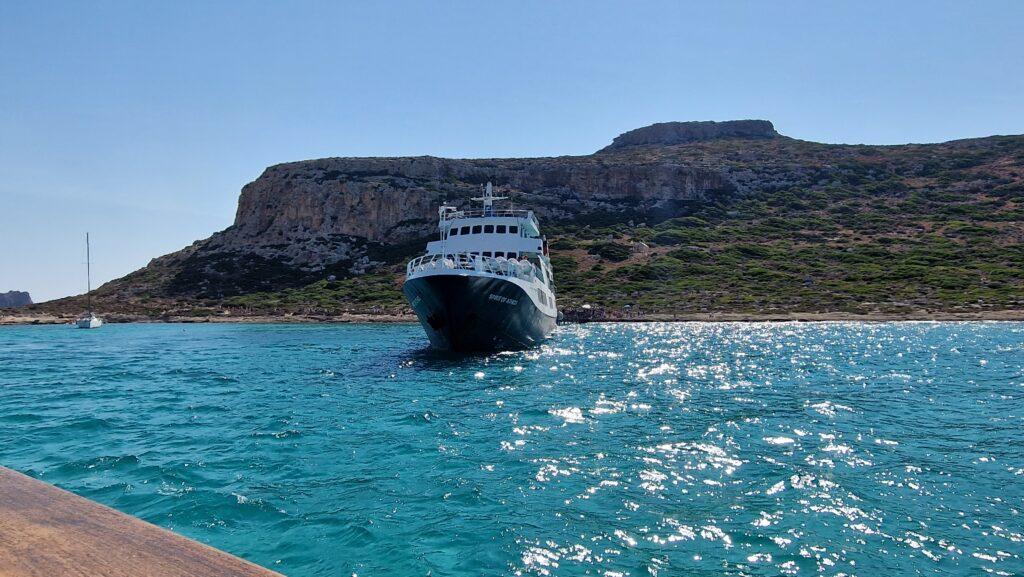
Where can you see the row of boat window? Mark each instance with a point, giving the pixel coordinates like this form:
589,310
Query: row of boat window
496,254
486,229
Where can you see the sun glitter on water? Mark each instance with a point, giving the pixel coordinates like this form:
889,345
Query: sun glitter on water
657,449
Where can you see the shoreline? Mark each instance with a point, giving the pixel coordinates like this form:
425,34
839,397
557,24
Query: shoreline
937,316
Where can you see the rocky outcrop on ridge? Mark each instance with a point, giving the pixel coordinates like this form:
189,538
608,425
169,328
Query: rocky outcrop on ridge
671,133
11,299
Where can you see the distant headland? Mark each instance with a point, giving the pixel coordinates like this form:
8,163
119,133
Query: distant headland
676,220
13,299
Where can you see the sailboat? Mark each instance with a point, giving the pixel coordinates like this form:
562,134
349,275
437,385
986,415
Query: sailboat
88,320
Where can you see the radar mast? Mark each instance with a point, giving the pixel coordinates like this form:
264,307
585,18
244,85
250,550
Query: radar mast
488,198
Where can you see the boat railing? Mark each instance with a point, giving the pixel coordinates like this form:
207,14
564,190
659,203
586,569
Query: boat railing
500,266
502,212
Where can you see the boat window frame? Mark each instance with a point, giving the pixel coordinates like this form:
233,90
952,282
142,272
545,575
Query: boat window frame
500,229
513,229
464,231
476,229
488,229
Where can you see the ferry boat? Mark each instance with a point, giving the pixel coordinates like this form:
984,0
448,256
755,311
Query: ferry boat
486,283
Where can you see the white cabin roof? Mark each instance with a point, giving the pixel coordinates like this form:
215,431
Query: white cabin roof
525,239
523,218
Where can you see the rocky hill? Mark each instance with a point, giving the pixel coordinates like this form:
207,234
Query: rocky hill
12,299
674,218
669,133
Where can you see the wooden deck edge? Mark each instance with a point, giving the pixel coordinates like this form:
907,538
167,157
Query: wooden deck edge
46,531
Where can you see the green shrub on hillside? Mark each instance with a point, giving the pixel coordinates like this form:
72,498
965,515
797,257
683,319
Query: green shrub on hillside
563,244
613,251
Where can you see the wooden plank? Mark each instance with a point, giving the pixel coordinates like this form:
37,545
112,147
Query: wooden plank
49,532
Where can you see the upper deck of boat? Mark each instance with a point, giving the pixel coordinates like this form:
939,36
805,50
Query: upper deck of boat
526,219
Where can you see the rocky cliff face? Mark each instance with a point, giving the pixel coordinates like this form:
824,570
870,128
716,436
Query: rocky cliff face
396,200
12,299
671,133
302,221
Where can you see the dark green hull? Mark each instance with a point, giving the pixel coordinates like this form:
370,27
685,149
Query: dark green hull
474,313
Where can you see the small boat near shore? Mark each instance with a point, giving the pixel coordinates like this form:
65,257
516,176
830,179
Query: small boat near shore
89,320
486,284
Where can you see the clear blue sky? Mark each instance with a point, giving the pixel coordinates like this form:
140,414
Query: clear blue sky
140,121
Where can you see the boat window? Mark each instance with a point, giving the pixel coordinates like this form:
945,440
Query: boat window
465,230
454,232
513,255
500,229
499,254
488,229
476,229
513,230
487,253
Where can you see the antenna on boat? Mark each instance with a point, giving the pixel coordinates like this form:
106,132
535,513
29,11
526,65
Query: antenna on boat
488,198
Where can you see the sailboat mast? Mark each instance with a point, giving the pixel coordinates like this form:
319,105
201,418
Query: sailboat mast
88,276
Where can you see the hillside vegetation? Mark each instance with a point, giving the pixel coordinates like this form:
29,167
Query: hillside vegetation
894,229
806,227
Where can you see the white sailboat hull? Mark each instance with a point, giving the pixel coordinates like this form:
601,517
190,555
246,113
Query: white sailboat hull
90,323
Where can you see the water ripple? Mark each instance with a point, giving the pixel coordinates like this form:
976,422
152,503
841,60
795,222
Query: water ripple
654,449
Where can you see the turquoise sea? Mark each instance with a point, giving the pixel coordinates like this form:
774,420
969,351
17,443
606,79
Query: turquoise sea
614,450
